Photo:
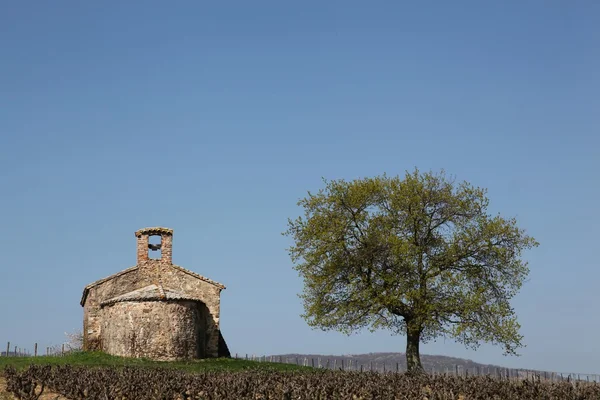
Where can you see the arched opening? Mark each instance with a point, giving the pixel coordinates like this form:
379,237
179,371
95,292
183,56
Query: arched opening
154,247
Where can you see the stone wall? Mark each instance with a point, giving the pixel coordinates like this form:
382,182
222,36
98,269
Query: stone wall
209,294
126,281
160,330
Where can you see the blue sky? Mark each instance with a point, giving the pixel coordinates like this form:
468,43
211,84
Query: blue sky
215,118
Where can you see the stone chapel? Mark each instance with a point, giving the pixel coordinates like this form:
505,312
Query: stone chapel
155,309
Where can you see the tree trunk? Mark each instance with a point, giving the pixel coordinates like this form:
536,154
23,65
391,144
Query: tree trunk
413,358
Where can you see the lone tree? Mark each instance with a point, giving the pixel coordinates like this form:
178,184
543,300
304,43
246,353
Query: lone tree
419,256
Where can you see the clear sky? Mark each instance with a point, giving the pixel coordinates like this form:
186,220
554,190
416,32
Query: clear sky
214,118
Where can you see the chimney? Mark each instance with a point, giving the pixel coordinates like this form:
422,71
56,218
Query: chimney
145,248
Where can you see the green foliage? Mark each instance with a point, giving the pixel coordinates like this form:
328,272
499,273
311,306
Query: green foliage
99,359
418,254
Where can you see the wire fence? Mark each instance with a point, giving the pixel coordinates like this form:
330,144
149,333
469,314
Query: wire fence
350,364
17,351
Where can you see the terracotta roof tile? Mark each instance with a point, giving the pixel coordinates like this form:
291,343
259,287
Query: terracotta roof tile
150,293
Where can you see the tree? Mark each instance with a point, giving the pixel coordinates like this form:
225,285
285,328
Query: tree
419,256
74,340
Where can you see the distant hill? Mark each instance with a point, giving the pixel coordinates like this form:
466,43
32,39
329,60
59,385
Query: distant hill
390,360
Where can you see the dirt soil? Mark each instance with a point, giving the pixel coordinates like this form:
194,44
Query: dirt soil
4,395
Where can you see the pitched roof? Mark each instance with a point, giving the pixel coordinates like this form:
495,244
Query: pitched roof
99,281
134,268
195,275
154,292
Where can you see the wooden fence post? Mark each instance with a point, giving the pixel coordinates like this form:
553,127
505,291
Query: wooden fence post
35,350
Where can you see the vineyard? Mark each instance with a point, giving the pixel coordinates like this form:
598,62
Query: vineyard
143,383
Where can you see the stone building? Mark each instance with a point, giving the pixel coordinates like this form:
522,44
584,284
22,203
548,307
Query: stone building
155,309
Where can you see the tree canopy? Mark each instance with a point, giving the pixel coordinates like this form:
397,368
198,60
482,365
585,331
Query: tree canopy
419,255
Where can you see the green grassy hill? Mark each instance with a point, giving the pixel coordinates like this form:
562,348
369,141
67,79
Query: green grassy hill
95,359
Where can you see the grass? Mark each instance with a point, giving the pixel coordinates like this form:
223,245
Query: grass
98,359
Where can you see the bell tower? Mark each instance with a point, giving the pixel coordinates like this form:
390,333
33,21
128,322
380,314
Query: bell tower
146,246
